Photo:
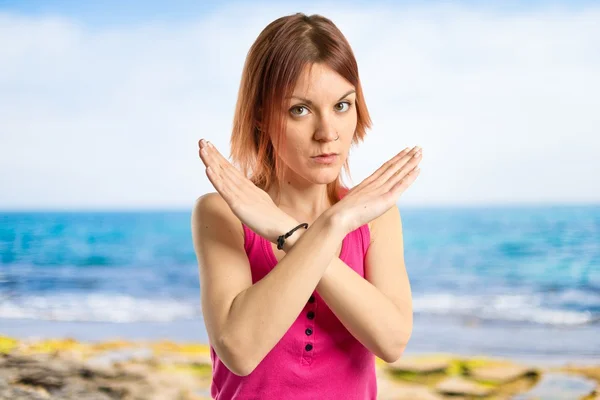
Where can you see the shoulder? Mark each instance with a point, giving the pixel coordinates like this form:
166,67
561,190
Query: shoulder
211,215
386,224
211,205
212,201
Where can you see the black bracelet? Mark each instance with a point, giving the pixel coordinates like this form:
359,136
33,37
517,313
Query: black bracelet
281,239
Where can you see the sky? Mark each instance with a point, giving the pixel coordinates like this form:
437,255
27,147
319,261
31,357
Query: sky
101,107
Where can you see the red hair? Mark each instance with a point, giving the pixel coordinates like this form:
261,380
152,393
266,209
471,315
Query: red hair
272,67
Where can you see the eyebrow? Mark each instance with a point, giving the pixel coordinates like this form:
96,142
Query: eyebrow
311,103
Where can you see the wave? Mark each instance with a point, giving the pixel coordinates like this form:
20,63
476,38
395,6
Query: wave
533,308
105,307
101,307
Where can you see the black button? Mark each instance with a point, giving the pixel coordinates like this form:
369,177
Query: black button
308,331
310,314
312,299
308,347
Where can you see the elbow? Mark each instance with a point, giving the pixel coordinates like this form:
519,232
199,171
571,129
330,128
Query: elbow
394,351
243,368
234,357
393,356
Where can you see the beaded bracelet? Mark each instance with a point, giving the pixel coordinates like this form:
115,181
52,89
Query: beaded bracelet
281,239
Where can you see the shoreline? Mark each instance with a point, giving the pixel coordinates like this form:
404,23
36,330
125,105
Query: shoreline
162,369
539,345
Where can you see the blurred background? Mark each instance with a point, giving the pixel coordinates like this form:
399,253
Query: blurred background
102,105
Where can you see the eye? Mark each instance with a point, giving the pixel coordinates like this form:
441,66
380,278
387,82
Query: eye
347,103
297,108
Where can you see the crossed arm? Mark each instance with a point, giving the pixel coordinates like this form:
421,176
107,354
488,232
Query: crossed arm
376,310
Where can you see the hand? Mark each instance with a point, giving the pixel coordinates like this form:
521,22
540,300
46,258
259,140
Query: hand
379,192
253,206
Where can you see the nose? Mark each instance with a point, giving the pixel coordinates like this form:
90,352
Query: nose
326,130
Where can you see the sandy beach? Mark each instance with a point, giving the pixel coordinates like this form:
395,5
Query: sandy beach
65,368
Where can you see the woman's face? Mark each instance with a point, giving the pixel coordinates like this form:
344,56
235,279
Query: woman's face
321,108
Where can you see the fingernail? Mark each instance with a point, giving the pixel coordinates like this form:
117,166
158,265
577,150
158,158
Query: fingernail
210,144
202,142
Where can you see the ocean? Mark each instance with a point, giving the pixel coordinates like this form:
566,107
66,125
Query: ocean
521,282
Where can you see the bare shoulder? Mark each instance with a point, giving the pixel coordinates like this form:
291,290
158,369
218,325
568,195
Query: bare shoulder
211,214
217,233
212,201
387,224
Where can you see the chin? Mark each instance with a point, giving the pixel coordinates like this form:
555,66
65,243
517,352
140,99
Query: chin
325,177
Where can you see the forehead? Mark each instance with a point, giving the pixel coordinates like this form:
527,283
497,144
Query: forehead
318,80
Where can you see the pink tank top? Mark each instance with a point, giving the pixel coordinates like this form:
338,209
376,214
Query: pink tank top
317,358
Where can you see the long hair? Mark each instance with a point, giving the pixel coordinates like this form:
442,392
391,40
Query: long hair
272,67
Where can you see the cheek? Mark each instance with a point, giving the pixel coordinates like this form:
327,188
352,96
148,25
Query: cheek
295,147
353,120
349,127
293,150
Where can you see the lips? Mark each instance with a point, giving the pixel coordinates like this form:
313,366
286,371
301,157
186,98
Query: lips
326,154
327,160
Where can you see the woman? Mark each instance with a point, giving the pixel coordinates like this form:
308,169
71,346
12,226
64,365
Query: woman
302,281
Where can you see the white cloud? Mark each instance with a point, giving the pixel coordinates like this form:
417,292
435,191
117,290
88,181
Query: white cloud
504,104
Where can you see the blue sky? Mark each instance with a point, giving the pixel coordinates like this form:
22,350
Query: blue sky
102,107
115,12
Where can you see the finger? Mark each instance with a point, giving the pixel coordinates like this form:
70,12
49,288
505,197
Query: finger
407,162
222,182
236,176
205,157
400,176
405,182
226,170
224,161
401,158
210,158
223,168
385,166
218,184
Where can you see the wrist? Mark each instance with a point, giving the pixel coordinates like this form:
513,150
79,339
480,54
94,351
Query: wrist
327,221
291,241
288,223
334,221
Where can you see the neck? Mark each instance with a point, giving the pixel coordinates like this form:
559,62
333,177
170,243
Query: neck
305,204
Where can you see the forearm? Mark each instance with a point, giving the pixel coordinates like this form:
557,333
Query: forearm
368,314
267,309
